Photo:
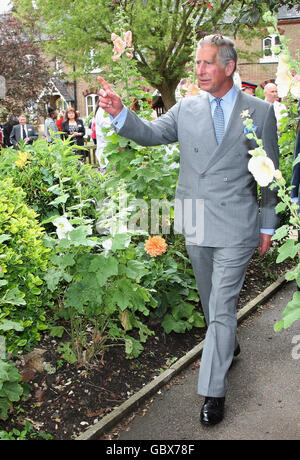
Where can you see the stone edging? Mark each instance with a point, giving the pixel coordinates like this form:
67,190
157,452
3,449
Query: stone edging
110,420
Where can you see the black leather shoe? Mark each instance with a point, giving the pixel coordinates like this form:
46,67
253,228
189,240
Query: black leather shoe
212,411
237,350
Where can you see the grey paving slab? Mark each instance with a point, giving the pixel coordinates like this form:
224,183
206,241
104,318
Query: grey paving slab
263,399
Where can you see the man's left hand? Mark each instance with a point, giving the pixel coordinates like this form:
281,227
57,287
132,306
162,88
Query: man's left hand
265,243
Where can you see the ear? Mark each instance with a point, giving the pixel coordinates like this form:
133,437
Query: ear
230,68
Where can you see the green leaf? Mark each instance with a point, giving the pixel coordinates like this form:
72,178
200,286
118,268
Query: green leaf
13,296
4,237
288,249
60,199
8,325
103,268
170,324
67,353
120,241
13,391
280,207
281,233
52,278
56,331
290,314
133,347
134,270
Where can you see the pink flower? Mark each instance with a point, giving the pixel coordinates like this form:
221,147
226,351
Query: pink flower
119,46
128,38
191,89
129,55
114,37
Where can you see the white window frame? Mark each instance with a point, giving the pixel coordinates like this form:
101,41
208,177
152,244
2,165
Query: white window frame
93,105
272,57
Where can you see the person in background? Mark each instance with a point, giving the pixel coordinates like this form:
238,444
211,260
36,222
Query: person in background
271,96
7,129
59,120
73,128
23,131
93,131
248,90
50,124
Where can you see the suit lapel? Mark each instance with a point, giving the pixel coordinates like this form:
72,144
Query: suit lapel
234,131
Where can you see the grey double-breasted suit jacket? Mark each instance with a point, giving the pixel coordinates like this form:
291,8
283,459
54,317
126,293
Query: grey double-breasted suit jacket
214,182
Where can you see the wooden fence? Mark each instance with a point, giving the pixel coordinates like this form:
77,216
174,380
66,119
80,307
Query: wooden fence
91,156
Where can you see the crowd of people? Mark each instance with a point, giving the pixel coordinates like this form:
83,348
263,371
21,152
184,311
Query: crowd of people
66,125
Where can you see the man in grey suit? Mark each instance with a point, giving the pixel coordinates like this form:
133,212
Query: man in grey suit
214,179
22,131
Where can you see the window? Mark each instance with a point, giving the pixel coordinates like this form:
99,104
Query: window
61,105
268,52
91,103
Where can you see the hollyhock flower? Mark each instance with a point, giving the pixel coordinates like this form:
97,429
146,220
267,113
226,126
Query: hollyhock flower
295,87
119,46
114,37
284,78
107,244
63,227
262,168
278,175
128,38
192,90
155,245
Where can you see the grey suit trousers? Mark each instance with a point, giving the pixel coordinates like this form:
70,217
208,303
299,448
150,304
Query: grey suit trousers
219,273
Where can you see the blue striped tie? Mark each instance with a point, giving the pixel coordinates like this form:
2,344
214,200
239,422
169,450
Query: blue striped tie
218,119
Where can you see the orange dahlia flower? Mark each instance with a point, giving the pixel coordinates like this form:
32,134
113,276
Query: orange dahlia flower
155,246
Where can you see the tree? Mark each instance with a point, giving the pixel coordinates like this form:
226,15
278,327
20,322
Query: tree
22,65
163,31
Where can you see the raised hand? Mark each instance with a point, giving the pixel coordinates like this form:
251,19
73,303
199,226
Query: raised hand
109,100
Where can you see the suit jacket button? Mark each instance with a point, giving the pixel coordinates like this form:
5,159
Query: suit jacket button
196,150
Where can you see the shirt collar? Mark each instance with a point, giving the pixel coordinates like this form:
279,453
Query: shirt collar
228,98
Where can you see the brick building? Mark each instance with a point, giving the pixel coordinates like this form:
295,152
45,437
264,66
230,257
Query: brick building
265,67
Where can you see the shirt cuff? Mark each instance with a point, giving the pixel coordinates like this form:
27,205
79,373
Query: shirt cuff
119,120
267,231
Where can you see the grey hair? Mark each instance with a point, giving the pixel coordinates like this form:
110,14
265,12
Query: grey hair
226,49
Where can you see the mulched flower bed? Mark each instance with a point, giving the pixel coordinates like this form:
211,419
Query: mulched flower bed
65,399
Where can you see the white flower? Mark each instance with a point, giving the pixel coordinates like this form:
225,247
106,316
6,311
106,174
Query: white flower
278,175
107,244
245,114
262,169
295,87
63,227
283,76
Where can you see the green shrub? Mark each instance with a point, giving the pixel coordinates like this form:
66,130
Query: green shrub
23,258
10,388
42,168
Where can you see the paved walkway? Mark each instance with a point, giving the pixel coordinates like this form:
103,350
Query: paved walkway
263,400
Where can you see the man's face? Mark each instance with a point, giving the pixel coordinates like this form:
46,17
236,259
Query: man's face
211,74
271,93
22,120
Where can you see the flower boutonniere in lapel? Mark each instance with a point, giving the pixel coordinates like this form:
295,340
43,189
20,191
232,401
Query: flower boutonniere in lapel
249,127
